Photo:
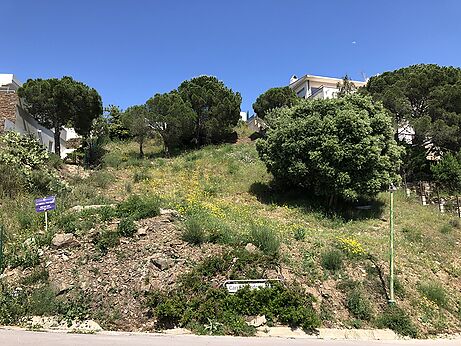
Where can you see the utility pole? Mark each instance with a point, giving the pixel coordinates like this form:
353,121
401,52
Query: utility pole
392,189
1,249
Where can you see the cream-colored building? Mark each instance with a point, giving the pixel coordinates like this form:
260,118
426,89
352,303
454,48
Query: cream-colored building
317,87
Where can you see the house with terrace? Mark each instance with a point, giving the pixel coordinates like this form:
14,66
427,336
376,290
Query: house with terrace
14,117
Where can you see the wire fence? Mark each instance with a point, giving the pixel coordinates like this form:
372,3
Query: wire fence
430,193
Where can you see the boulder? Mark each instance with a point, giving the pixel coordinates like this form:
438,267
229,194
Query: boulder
162,262
258,321
251,248
61,240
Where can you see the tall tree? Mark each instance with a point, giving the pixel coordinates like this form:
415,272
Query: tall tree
173,118
216,108
116,129
61,102
346,87
274,98
136,119
427,97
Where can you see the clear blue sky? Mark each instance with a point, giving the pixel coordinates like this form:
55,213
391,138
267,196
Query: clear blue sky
130,49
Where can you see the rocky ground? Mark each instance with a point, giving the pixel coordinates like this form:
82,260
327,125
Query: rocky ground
151,260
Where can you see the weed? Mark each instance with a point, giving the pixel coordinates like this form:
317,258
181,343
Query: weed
287,305
138,207
434,292
38,275
105,240
332,260
141,175
300,233
194,232
445,229
396,319
126,227
412,234
265,239
358,305
455,223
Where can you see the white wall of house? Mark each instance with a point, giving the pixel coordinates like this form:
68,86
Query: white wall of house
26,124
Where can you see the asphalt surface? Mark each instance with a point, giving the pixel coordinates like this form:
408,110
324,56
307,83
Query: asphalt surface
21,337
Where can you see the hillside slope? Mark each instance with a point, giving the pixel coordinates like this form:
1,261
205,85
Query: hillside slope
225,200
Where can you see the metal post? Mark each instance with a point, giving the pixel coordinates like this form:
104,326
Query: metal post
391,238
1,249
46,222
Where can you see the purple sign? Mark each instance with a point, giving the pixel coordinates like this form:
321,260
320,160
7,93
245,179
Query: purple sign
45,204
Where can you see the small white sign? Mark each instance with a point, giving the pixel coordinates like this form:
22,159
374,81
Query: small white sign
234,286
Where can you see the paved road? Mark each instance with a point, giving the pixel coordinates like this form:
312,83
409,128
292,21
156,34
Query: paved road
20,337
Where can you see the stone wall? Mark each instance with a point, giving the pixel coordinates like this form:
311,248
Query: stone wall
8,104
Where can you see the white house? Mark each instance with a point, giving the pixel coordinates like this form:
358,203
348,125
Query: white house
317,87
14,117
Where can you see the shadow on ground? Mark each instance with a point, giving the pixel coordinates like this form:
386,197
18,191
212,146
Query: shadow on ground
272,194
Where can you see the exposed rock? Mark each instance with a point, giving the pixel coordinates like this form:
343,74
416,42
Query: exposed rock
61,240
258,321
63,287
161,262
171,212
142,231
56,323
177,331
79,208
251,248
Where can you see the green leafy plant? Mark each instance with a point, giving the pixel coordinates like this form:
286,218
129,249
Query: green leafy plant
300,233
358,305
137,207
332,260
265,239
434,292
396,319
193,232
126,227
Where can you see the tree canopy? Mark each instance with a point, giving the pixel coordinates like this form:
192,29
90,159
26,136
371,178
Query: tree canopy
274,98
428,97
216,108
136,119
448,173
337,147
172,118
61,102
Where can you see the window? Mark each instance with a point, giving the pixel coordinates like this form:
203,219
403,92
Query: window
50,146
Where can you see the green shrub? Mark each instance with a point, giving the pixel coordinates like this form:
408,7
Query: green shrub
358,305
12,181
455,223
396,319
266,239
194,232
332,260
300,233
414,235
445,229
107,213
101,179
105,240
141,175
215,311
126,227
38,275
138,207
434,292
